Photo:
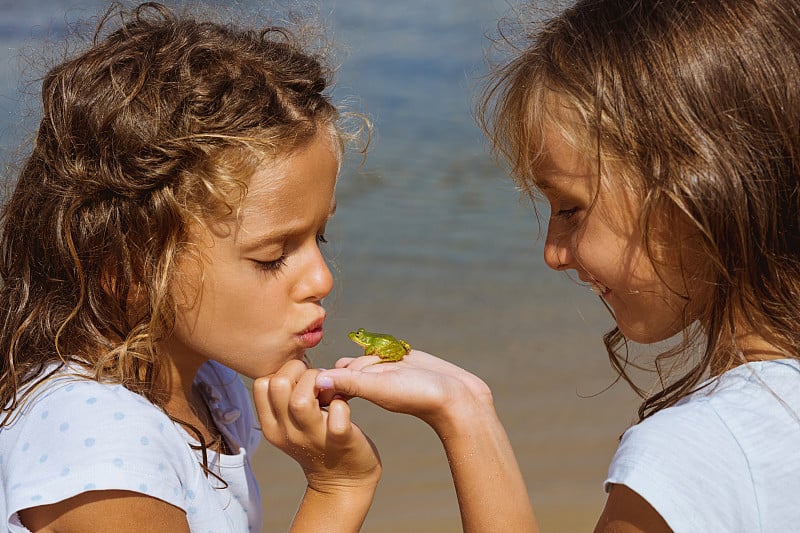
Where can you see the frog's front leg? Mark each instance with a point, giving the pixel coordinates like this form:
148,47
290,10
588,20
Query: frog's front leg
370,350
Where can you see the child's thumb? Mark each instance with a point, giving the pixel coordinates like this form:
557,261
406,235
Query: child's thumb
346,382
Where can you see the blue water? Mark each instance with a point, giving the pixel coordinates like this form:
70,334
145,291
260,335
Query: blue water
432,243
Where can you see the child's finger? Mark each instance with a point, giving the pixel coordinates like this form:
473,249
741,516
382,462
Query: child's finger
273,429
343,362
293,368
281,385
362,362
279,394
303,406
348,382
261,400
339,425
326,396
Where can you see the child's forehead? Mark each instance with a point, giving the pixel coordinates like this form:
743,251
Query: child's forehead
274,181
560,157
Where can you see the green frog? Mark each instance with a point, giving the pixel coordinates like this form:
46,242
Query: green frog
384,346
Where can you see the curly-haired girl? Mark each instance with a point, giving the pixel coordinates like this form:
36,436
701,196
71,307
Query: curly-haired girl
164,235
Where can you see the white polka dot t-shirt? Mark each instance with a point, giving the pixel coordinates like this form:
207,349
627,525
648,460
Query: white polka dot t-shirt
76,435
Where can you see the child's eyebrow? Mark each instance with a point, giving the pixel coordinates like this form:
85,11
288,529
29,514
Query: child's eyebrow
265,239
271,237
545,184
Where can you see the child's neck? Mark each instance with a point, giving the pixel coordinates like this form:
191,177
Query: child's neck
758,349
748,348
187,404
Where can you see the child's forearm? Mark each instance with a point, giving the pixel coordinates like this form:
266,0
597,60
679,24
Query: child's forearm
489,485
333,511
459,407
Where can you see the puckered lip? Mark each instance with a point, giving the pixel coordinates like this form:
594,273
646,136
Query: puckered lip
312,335
314,326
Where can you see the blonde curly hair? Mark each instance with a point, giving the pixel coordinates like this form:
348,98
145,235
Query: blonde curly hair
157,124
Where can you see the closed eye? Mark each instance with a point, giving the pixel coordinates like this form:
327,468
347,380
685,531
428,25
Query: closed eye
566,213
271,266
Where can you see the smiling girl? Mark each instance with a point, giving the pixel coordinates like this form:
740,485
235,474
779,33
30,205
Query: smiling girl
164,235
664,135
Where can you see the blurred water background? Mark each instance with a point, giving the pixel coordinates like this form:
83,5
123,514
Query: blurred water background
431,243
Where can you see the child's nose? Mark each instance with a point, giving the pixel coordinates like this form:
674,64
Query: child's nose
557,252
317,281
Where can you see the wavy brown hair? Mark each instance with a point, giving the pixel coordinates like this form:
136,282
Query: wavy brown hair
697,105
158,123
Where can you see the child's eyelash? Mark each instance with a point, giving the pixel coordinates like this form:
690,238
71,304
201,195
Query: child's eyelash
277,264
271,266
567,213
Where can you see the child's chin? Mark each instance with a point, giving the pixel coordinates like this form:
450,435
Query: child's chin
644,335
267,369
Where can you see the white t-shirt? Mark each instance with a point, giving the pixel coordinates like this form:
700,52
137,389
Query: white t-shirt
725,459
76,435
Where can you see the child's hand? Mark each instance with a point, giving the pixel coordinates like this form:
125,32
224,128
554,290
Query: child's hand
421,385
332,451
458,406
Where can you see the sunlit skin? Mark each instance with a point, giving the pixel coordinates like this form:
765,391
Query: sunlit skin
594,231
253,300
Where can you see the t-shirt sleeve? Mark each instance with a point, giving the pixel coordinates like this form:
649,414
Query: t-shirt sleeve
689,468
77,436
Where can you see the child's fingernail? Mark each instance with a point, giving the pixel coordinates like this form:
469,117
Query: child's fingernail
325,382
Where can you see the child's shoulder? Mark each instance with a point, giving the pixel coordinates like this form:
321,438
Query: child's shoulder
761,394
74,434
75,414
732,420
759,385
710,461
68,394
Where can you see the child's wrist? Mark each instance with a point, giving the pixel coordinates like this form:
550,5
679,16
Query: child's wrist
463,415
334,486
348,502
343,495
